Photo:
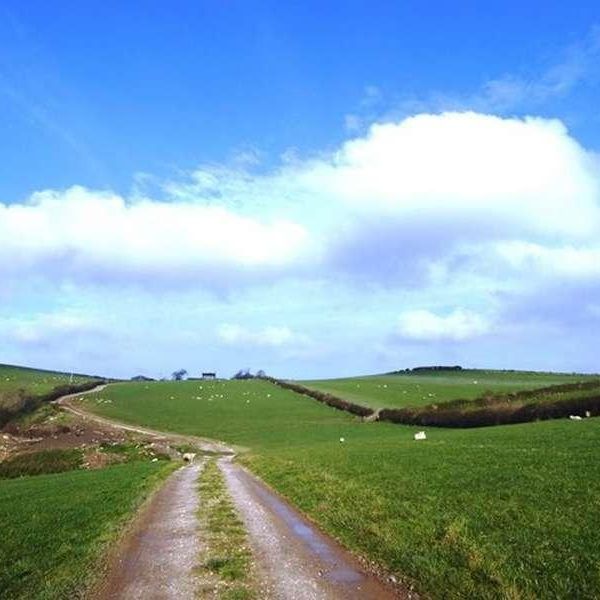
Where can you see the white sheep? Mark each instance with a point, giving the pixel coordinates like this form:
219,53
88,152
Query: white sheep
420,435
189,457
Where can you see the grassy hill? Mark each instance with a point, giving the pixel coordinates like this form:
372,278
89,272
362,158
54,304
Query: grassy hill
21,388
489,513
36,381
421,389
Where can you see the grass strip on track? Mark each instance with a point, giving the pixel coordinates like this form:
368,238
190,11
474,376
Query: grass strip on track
227,556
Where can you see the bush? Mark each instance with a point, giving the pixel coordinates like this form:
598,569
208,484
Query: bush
39,463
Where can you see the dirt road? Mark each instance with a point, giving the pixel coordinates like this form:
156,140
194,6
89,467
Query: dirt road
294,559
158,558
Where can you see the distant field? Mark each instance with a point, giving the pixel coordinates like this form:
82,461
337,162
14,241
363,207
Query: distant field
32,381
408,389
248,413
502,512
55,528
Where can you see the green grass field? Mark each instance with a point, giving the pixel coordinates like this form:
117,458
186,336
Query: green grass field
56,528
32,381
503,512
418,389
247,413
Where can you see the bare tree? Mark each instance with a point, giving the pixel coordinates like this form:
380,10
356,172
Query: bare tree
179,375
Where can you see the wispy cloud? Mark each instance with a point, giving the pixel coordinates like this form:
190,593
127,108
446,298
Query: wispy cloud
570,68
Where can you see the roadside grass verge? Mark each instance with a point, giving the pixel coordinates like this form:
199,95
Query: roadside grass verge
501,512
56,528
227,556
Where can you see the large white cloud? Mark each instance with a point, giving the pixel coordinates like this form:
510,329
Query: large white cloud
420,196
509,176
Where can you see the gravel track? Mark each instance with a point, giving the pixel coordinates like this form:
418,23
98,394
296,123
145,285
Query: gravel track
156,561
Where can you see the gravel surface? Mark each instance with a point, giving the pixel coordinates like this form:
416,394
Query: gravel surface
156,561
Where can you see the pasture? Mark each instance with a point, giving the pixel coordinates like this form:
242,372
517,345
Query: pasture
17,384
34,381
422,389
55,528
489,513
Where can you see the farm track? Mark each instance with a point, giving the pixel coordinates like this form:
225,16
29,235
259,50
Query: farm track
157,559
293,558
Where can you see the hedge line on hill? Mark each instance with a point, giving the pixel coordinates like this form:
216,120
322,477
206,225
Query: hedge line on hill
490,409
498,414
26,403
329,399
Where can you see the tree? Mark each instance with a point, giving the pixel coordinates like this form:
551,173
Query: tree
179,375
243,374
260,374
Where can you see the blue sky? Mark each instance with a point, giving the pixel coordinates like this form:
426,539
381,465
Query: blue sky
313,189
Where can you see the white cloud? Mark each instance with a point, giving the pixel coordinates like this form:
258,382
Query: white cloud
92,235
505,175
271,336
389,206
564,261
569,70
44,327
460,325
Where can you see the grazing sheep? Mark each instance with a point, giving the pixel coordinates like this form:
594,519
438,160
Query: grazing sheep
575,418
420,435
189,457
